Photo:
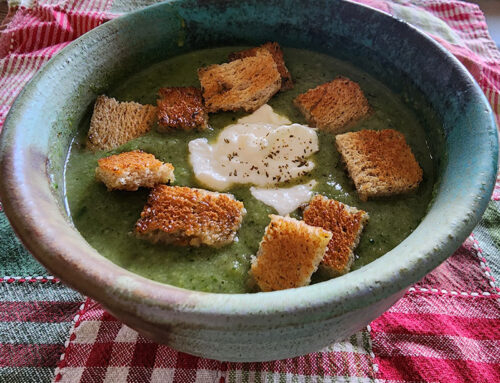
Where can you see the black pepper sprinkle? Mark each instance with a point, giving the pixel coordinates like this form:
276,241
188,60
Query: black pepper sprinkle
302,163
226,140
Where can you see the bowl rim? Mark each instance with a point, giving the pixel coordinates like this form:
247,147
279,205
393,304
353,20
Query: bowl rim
358,288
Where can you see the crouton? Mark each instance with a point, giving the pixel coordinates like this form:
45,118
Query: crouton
187,216
132,170
181,108
345,223
277,53
379,162
334,106
114,123
289,254
243,84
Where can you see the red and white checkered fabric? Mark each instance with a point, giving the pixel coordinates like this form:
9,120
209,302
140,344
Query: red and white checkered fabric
445,329
102,349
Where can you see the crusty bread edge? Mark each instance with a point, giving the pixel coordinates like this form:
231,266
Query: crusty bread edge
270,90
317,260
151,112
311,120
179,237
331,273
364,195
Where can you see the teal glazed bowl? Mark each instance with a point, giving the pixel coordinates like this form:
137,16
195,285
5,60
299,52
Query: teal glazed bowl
261,326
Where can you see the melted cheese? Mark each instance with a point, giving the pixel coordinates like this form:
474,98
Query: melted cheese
285,200
260,149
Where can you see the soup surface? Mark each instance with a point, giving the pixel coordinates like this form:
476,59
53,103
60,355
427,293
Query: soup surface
106,219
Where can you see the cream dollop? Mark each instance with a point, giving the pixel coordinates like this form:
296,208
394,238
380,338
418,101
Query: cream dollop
261,149
285,200
265,115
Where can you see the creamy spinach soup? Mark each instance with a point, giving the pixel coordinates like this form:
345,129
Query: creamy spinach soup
106,219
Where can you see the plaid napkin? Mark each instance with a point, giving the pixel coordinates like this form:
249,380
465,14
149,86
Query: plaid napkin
445,329
101,349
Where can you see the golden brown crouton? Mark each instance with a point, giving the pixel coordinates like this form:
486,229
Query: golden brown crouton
187,216
345,223
277,53
131,170
114,123
379,162
245,84
181,108
289,254
333,106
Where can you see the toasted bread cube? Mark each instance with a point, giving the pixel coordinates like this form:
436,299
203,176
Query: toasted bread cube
132,170
181,108
275,50
114,123
244,84
289,254
379,162
187,216
334,106
345,223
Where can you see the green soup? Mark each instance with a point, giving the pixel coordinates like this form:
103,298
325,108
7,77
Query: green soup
106,219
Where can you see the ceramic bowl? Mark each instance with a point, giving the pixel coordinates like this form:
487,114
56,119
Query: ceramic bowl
246,327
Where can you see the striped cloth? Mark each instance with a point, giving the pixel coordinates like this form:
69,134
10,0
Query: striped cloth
36,30
35,318
445,329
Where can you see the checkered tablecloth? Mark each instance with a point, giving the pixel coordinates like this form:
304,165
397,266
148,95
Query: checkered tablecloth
445,329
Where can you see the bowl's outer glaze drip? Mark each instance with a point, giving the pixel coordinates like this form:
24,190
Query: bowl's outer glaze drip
261,326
